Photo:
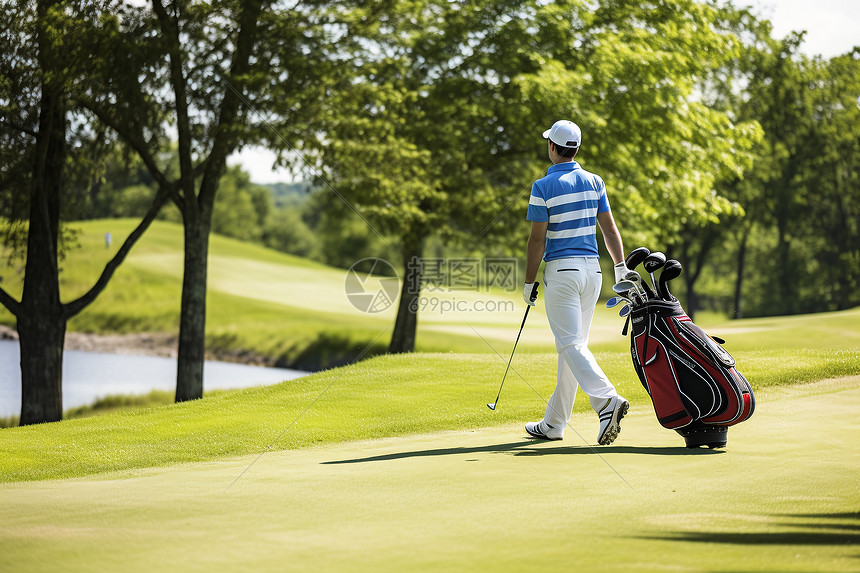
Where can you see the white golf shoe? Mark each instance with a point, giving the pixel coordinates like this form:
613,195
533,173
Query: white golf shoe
610,419
543,431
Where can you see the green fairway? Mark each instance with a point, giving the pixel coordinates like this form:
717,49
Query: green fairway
784,496
380,397
270,303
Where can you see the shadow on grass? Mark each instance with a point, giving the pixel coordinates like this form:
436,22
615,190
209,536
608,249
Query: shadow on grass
846,516
761,538
529,448
840,534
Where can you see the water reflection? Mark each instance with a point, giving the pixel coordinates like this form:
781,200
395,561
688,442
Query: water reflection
88,376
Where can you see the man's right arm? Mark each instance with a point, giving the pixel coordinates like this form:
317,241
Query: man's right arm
611,236
535,249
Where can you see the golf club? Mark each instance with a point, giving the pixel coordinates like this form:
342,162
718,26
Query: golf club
623,287
627,289
624,311
670,271
616,300
635,258
492,405
652,263
636,279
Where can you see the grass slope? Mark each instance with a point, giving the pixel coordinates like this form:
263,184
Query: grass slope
390,396
782,498
259,300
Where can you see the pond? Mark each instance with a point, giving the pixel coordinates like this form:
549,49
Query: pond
88,376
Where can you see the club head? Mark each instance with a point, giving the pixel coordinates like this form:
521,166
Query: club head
636,256
641,286
671,270
654,261
623,287
624,311
635,278
492,406
614,301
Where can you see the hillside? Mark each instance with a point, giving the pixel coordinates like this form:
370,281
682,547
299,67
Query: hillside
293,311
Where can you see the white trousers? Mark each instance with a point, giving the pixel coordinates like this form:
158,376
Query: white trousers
571,290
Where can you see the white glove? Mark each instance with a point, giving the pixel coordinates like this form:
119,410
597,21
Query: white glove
621,271
529,290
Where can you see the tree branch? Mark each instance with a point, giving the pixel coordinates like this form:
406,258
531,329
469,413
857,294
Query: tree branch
170,30
135,140
72,308
225,134
10,303
20,128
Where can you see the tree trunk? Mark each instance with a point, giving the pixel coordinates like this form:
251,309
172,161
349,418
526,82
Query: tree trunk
691,296
192,325
406,324
40,320
41,336
739,281
785,282
41,325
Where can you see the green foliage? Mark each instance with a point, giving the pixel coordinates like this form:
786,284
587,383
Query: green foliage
290,194
459,126
286,231
242,209
794,241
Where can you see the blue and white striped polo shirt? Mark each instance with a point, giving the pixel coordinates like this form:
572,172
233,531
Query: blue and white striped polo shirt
569,197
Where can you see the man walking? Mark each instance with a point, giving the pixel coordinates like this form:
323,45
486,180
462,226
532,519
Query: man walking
565,207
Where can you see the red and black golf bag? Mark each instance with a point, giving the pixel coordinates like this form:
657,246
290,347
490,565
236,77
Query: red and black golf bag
692,380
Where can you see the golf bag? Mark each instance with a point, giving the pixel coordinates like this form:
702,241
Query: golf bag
691,379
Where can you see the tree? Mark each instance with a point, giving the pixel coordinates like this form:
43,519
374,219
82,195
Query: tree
802,191
218,71
441,128
41,58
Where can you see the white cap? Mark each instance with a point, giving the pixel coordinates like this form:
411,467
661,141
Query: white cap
564,133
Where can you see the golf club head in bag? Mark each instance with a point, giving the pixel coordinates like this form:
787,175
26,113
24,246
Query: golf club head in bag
633,260
628,291
652,264
624,287
636,279
615,301
671,271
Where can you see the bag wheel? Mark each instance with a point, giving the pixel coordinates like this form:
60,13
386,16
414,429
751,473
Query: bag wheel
698,434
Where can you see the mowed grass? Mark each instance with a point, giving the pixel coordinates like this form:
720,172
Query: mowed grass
782,497
259,300
392,396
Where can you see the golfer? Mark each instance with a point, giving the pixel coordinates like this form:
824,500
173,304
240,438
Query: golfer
565,207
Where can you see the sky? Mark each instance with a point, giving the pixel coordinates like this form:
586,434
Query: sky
832,28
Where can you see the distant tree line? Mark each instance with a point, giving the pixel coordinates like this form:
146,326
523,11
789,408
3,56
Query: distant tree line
418,124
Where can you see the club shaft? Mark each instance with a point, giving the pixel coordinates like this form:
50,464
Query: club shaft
512,354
